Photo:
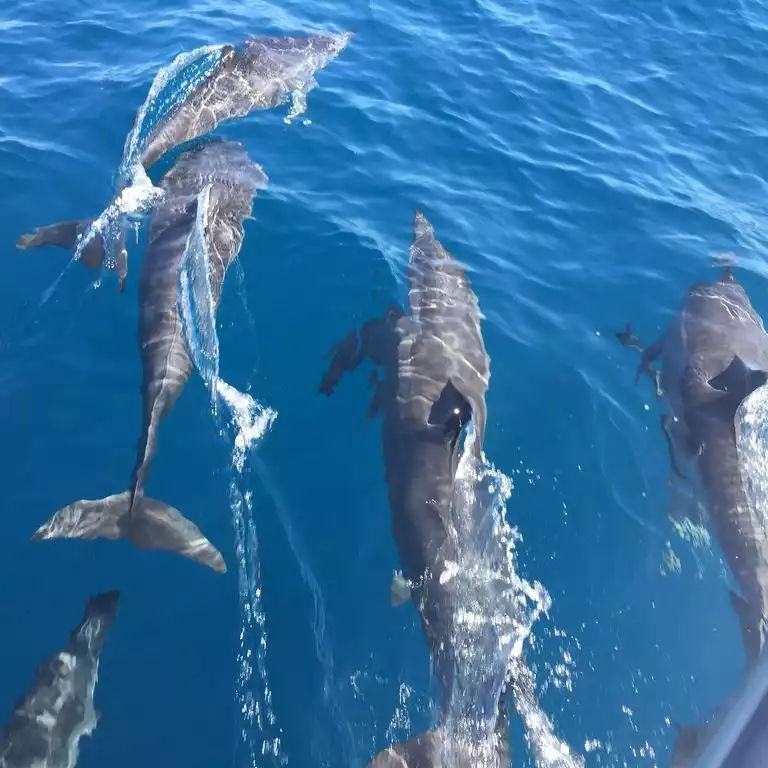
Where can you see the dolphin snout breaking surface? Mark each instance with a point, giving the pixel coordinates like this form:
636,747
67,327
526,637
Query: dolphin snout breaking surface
47,724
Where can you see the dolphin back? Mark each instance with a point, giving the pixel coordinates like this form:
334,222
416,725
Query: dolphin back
444,341
47,724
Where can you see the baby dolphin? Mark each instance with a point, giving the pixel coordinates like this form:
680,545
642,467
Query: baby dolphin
714,354
436,373
45,728
260,76
233,179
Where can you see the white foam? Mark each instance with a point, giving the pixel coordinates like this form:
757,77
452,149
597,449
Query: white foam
242,423
496,612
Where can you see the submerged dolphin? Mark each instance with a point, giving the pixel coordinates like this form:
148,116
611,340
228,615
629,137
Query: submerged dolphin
436,373
260,76
737,736
234,180
714,354
45,728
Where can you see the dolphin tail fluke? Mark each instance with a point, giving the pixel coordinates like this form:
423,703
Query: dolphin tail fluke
65,234
148,523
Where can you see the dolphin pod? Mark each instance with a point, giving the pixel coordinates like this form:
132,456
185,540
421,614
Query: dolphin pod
435,376
436,373
46,726
260,76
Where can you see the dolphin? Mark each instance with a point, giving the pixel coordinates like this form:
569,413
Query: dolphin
714,354
45,728
259,76
436,373
737,735
233,180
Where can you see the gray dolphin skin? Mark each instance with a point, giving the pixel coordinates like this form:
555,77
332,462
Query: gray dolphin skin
234,180
46,726
260,76
436,374
737,736
713,355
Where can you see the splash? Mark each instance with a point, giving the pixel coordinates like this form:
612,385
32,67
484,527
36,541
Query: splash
198,311
752,440
137,195
242,424
496,611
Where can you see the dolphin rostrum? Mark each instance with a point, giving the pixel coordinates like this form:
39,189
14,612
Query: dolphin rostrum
436,374
260,76
713,355
45,728
233,180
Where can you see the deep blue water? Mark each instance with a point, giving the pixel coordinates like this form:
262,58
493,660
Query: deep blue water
586,161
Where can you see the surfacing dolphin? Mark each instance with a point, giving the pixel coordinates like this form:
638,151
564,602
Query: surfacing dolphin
714,354
234,180
259,76
436,373
46,726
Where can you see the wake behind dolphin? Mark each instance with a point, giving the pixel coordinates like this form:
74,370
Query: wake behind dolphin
248,421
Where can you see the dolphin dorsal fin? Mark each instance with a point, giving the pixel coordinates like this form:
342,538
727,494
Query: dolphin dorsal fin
451,411
738,380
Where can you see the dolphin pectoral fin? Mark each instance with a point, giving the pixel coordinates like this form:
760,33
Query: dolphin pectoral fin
650,355
399,590
671,447
629,339
375,341
451,411
149,524
346,356
738,379
751,631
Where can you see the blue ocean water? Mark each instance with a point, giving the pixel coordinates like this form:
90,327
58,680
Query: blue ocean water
585,161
